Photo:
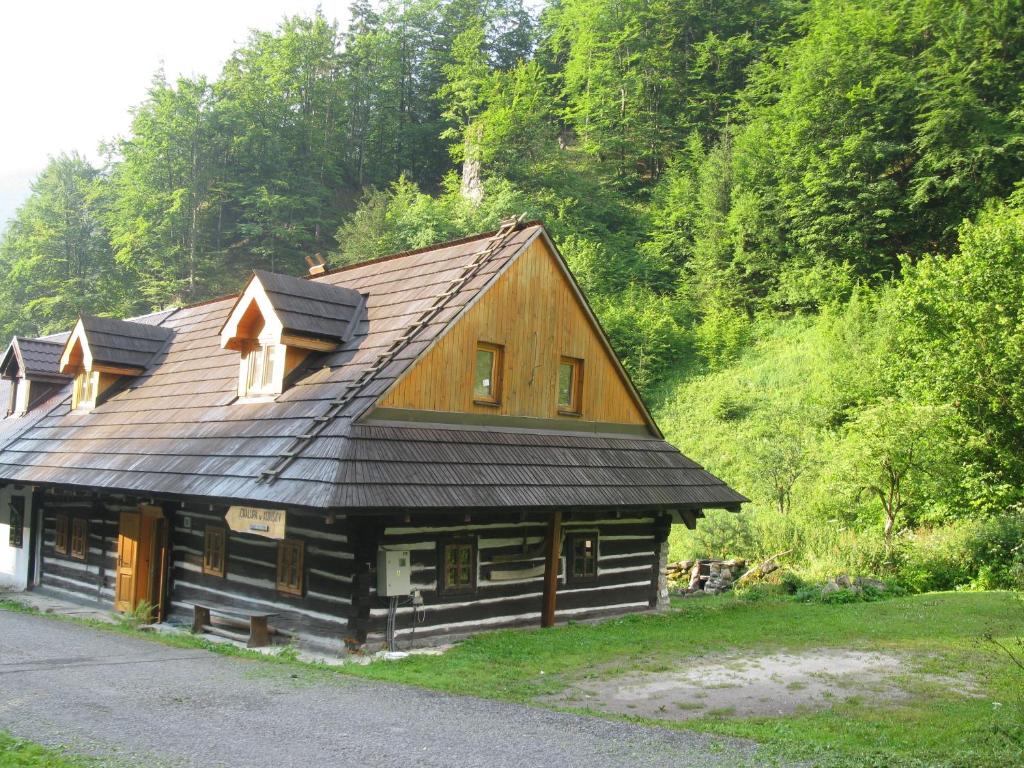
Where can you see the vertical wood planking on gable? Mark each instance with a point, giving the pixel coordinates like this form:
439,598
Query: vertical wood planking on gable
532,311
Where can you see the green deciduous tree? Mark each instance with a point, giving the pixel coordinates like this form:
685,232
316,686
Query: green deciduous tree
55,254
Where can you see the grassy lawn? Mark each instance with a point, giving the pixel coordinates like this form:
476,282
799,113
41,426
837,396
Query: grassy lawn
939,634
17,753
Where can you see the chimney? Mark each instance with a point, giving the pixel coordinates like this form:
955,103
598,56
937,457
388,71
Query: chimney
317,264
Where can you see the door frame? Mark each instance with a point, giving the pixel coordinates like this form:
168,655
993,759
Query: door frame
152,555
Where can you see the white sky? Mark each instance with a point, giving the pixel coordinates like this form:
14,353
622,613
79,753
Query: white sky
71,69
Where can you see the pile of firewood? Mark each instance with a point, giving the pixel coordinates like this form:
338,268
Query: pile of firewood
705,576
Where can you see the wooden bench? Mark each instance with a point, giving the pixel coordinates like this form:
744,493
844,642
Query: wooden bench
259,631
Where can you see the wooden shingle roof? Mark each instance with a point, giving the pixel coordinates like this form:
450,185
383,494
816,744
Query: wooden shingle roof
178,430
310,307
123,343
34,358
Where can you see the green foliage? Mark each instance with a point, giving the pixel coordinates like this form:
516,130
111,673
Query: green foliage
56,253
764,203
19,753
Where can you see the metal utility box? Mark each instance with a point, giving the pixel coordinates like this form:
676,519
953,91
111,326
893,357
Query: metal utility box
394,568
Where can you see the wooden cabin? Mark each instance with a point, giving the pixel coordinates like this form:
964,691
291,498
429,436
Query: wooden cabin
422,446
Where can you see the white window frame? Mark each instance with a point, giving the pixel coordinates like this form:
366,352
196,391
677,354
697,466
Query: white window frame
87,385
260,371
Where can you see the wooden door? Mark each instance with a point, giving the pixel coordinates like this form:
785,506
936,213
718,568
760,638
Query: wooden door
127,561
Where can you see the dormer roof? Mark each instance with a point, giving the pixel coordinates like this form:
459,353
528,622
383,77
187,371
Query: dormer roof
117,346
281,309
35,359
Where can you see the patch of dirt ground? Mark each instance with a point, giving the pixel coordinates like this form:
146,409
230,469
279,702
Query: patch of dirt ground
753,686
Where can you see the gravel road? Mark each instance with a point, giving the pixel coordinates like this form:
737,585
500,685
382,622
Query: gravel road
130,701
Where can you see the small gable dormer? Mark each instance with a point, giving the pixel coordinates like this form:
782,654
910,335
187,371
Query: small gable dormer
279,320
102,351
30,365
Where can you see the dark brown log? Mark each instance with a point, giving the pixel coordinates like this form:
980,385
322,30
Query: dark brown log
554,550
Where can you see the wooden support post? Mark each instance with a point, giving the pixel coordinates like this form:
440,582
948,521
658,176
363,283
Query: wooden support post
553,555
200,618
259,634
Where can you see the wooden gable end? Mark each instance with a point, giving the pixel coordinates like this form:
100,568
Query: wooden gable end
535,315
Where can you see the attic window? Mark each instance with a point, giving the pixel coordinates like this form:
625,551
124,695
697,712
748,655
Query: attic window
22,397
86,387
487,374
570,386
279,320
260,371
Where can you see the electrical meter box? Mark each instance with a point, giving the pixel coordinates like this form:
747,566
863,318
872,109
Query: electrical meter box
394,568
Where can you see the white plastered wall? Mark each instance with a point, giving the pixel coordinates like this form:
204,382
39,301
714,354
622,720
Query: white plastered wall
14,560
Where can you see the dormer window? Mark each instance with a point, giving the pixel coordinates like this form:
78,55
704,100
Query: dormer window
101,351
87,384
261,371
22,396
31,367
278,321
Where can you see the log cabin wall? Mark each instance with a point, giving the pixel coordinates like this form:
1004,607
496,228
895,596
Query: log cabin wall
628,556
533,312
90,579
250,579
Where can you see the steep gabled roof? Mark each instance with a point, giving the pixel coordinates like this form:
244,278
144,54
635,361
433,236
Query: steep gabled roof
178,430
116,344
296,311
310,307
33,359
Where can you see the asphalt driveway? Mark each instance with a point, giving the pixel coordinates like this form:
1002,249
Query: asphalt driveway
141,703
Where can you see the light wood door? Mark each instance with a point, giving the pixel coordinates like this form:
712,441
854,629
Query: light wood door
127,561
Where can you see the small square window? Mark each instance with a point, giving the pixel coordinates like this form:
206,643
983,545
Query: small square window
570,386
214,561
290,554
60,535
457,566
80,538
583,549
487,374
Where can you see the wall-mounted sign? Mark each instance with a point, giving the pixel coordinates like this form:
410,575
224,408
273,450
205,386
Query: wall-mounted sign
262,522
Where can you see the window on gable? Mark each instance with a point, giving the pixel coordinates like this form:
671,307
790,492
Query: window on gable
86,387
583,549
487,374
60,535
457,566
570,386
260,370
214,561
80,538
290,555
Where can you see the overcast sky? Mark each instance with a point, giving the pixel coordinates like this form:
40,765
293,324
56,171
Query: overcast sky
70,70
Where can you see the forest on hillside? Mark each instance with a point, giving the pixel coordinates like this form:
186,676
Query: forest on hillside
801,223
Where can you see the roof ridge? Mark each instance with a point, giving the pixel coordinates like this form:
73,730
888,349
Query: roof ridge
422,249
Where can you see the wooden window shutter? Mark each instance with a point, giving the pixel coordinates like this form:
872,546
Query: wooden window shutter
290,555
60,535
80,538
214,559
